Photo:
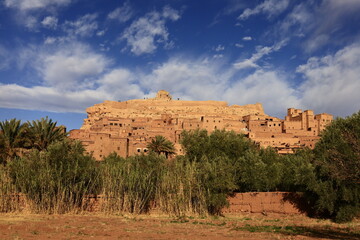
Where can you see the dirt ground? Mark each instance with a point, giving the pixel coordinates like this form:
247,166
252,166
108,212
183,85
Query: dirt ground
240,226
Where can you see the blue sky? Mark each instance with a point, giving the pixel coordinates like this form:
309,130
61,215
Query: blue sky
58,57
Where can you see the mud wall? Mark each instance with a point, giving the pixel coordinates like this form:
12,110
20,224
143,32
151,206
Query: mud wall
265,202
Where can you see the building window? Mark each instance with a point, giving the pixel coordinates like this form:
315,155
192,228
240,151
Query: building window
138,150
145,150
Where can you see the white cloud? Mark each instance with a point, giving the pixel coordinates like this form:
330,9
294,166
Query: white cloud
47,98
100,33
219,48
332,82
31,22
84,26
25,5
170,13
188,79
29,12
260,52
50,40
268,7
144,34
218,56
267,87
5,58
247,38
120,83
76,77
122,14
311,21
239,45
74,66
50,22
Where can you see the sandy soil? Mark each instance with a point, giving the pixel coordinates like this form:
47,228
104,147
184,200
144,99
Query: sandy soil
245,226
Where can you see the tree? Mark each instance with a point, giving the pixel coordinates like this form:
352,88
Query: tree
12,138
43,132
337,169
160,145
198,144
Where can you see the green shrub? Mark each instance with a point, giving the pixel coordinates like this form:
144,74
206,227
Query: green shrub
336,189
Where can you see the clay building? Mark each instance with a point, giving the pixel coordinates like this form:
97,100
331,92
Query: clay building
127,127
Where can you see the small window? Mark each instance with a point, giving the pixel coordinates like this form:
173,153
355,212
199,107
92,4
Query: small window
145,150
138,149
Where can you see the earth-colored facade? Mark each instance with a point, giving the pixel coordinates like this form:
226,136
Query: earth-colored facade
127,127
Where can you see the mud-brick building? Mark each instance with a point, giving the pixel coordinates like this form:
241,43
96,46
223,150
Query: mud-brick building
127,127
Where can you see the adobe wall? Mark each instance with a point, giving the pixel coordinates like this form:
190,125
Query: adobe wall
264,202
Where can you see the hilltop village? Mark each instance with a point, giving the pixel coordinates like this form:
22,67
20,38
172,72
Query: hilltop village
127,127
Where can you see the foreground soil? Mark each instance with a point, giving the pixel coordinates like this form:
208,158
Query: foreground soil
244,226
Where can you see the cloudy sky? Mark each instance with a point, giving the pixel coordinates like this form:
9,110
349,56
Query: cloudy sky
58,57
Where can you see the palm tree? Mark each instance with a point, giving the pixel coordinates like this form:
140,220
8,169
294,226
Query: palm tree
12,138
160,145
43,132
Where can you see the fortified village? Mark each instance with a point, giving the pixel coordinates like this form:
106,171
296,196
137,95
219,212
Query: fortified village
127,127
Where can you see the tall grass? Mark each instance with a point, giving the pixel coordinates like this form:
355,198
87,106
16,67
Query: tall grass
62,179
10,200
130,183
180,191
56,180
